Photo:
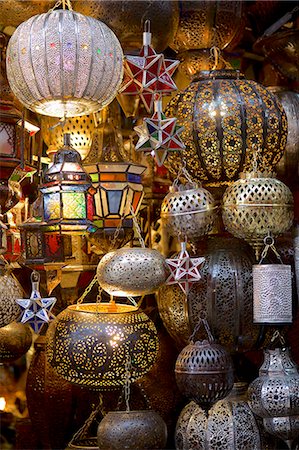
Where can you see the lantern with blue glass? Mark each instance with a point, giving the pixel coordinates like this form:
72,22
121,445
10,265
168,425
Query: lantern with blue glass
67,192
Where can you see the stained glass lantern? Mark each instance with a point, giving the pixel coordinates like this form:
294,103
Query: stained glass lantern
67,197
64,64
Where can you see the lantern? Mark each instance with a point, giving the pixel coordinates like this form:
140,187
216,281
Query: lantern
132,271
88,344
225,116
64,64
296,247
15,341
67,201
256,205
204,371
224,290
10,290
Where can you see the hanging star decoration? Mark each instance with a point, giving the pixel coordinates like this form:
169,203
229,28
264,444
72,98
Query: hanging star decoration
159,134
37,310
148,74
183,269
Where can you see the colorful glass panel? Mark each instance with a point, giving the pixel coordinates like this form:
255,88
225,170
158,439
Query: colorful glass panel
136,200
52,206
74,205
54,247
134,178
114,199
113,177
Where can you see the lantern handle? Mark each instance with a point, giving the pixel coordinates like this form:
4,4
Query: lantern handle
269,244
204,322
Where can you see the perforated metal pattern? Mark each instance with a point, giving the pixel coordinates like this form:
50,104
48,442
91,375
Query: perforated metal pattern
64,64
255,206
188,213
285,428
10,290
296,247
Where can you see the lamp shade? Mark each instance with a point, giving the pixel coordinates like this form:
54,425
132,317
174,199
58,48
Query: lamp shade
64,64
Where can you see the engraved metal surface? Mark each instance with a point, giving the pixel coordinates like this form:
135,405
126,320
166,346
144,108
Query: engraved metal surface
296,247
272,293
15,341
64,64
132,271
285,428
10,290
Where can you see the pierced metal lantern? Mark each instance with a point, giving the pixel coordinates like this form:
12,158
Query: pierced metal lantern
88,344
225,116
67,199
188,213
256,205
136,430
64,64
10,290
296,247
272,293
204,371
15,341
229,425
132,271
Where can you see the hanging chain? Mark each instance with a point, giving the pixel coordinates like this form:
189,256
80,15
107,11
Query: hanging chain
183,172
269,244
88,289
65,4
204,322
279,336
127,385
116,233
137,227
99,296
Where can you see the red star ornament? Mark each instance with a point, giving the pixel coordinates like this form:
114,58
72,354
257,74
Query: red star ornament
183,269
148,74
159,134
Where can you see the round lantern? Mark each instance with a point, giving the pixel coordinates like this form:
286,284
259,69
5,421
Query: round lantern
204,371
133,430
132,271
80,129
10,290
224,291
89,344
64,64
225,117
188,213
15,341
256,205
228,425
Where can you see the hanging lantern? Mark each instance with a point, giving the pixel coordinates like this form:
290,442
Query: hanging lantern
224,290
132,271
67,200
296,256
274,394
188,211
10,290
15,341
225,116
204,370
88,344
138,429
80,128
64,64
229,425
256,205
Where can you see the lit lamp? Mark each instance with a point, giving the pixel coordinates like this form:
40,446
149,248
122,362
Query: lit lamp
67,197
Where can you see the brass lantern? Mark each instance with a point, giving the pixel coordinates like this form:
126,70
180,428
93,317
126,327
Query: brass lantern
225,117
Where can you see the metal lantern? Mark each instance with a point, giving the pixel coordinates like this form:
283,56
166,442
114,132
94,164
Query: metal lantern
229,425
10,290
224,291
188,213
204,371
64,64
137,430
15,341
67,200
132,271
272,293
256,205
285,428
296,247
225,116
80,128
88,344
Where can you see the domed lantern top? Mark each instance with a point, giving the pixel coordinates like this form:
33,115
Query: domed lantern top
64,64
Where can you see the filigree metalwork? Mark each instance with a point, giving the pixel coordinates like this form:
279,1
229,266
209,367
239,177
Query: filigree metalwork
10,290
15,341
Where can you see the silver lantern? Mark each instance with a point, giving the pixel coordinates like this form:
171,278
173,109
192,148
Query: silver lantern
132,271
296,247
64,64
272,293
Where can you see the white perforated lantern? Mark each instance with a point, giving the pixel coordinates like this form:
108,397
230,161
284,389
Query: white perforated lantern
64,64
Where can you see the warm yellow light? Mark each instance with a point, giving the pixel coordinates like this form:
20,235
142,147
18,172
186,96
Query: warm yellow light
2,403
32,129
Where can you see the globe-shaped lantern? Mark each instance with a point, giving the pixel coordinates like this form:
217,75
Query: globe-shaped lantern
225,118
64,64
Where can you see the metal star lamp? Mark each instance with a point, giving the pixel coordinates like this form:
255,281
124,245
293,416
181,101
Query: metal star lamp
183,269
159,135
36,309
149,73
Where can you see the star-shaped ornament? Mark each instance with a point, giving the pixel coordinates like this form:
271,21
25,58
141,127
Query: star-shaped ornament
148,74
159,134
183,269
37,310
